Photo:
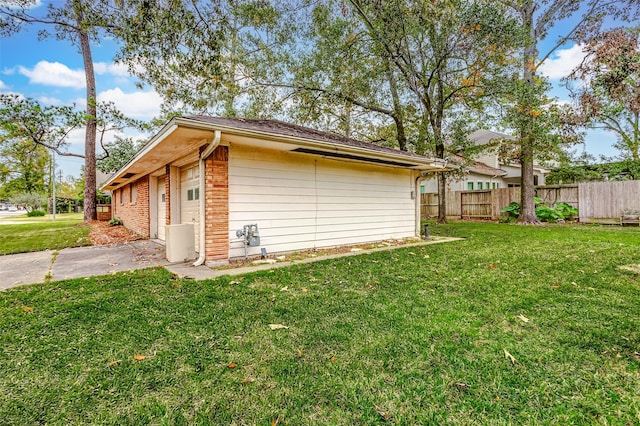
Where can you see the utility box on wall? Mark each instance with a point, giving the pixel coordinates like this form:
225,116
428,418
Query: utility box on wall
180,242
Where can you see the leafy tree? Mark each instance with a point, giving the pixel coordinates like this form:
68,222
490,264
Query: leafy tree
22,167
30,200
201,56
70,187
448,57
27,124
79,22
535,128
609,98
26,120
120,151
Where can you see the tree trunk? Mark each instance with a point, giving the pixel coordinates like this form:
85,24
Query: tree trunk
442,197
527,204
398,117
440,150
527,190
90,135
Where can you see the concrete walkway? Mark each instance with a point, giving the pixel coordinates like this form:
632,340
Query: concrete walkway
38,267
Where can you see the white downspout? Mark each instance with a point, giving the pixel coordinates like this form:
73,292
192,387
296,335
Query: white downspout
203,156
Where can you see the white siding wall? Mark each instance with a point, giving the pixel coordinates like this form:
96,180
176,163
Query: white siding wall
302,201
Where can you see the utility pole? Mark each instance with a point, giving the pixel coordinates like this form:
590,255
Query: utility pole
53,183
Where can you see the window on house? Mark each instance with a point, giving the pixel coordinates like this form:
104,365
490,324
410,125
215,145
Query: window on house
487,185
535,179
196,193
422,189
470,186
495,185
190,195
479,185
134,192
121,195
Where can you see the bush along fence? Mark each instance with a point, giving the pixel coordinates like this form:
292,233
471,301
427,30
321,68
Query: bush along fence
597,202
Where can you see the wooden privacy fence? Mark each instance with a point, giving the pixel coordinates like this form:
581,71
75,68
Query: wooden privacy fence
599,202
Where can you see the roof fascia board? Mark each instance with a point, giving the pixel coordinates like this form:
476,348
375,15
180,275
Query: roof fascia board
168,128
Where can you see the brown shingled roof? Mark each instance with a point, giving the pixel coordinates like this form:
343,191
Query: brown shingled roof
277,127
479,167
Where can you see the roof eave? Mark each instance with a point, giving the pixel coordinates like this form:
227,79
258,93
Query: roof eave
413,162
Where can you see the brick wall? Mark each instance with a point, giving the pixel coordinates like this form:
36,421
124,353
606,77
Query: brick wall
134,214
167,196
217,206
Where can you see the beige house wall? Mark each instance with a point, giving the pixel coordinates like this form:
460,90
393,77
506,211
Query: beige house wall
303,202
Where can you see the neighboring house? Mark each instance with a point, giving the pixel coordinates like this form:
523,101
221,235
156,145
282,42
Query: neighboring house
487,171
303,188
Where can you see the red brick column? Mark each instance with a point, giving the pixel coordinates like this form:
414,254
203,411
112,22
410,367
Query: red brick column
217,206
167,194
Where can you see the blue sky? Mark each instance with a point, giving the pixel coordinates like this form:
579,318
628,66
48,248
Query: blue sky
51,72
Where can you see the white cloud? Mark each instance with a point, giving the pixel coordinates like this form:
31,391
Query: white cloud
3,86
50,101
563,62
54,74
117,70
141,105
75,138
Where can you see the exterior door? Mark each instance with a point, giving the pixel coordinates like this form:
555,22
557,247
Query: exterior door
190,199
162,208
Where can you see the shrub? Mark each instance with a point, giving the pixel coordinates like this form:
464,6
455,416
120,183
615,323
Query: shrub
568,211
559,212
512,211
33,213
116,221
548,214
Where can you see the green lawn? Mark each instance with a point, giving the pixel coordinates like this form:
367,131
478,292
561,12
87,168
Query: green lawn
21,234
409,336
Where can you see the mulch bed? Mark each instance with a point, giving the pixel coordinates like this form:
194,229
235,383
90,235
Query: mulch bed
104,234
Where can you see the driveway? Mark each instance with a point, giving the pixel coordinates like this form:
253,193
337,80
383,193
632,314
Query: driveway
30,268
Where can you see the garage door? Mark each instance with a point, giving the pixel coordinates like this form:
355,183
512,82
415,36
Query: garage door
162,208
190,198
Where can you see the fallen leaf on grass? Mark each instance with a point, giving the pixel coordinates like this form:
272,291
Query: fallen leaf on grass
247,380
333,359
304,289
114,362
285,288
277,326
384,415
555,286
509,356
523,318
299,353
27,309
492,266
232,365
139,357
462,385
234,282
